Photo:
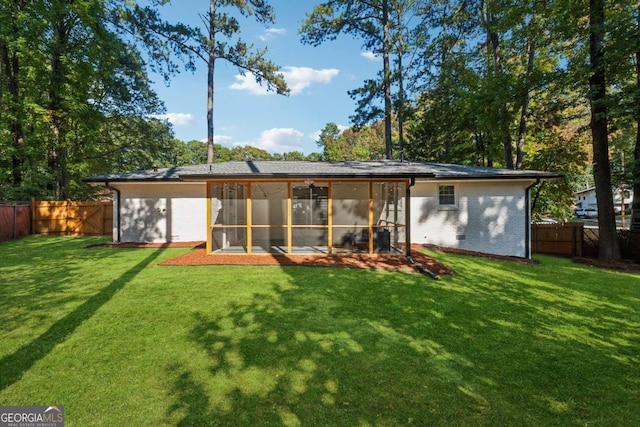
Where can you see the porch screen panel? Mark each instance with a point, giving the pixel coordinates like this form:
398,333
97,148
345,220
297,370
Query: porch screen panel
269,217
269,203
350,203
228,204
389,211
228,220
350,208
309,216
309,203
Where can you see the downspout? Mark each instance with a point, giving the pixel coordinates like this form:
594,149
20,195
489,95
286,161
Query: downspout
527,230
407,216
118,228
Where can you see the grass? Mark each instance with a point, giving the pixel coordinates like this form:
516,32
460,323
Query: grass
118,340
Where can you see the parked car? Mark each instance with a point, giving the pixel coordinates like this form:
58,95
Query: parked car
587,213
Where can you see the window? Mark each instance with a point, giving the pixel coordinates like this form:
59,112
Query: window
446,195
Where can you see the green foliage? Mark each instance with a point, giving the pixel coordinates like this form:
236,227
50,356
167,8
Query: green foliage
374,24
76,98
221,40
362,143
191,153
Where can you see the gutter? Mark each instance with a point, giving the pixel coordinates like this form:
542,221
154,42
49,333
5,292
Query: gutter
527,231
118,228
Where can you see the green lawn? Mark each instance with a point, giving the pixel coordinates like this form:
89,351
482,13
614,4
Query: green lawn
120,341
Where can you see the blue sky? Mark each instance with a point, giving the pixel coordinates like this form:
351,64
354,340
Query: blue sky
244,113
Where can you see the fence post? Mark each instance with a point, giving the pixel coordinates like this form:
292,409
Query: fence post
102,217
67,205
580,238
33,216
15,221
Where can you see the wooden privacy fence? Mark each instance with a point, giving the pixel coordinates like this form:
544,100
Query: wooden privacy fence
558,239
15,220
72,218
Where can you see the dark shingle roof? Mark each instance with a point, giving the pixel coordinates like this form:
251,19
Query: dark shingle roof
336,170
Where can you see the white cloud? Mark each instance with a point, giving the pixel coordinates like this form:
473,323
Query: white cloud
224,140
248,83
275,140
272,33
297,78
371,56
280,140
177,119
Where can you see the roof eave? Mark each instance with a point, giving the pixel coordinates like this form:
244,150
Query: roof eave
253,176
105,180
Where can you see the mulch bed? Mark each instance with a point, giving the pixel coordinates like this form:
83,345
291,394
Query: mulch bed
625,265
422,262
376,262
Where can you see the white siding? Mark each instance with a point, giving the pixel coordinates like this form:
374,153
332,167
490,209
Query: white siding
490,217
162,212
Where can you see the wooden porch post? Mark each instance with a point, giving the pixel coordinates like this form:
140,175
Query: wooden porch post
407,214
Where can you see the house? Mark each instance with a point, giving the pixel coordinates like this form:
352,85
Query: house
586,199
326,207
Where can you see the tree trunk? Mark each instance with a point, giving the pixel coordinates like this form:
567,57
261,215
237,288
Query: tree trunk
635,204
387,81
57,150
400,102
524,114
609,246
503,115
210,74
10,68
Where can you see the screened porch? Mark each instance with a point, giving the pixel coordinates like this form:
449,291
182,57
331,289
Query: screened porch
313,216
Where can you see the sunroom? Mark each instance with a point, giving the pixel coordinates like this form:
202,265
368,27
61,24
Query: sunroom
310,215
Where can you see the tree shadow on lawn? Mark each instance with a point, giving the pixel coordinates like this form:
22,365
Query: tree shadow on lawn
369,349
39,268
14,365
297,357
567,308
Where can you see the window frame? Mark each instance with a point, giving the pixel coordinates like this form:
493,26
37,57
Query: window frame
454,196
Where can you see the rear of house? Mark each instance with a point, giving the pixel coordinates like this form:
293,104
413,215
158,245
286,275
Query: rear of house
326,207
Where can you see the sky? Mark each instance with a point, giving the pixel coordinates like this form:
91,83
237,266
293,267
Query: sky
245,113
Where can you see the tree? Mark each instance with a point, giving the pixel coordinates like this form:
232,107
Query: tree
192,153
609,246
328,139
370,21
222,24
356,143
219,40
558,141
248,153
69,77
635,205
624,75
